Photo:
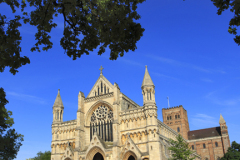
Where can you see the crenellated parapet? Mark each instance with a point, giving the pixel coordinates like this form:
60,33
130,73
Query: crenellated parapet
180,106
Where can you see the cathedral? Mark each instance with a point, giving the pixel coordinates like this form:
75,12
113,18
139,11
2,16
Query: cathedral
110,126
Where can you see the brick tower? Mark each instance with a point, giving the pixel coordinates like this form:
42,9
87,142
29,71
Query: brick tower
177,119
224,133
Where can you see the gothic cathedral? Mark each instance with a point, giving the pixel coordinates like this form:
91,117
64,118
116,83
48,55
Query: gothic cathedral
110,126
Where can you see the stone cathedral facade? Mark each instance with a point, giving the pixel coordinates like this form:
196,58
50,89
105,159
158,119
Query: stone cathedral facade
110,126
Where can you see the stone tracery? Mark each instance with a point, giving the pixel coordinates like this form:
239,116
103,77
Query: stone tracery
101,123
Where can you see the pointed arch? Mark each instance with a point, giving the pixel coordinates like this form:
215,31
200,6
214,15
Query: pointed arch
130,155
91,153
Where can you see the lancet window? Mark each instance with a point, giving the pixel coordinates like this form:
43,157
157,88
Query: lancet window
101,123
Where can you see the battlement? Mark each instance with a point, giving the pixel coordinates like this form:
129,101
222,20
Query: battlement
180,106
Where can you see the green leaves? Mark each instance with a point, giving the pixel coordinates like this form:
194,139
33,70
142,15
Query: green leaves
10,141
98,21
233,152
10,45
43,156
234,6
180,149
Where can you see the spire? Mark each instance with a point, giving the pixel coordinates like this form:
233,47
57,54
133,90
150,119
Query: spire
58,100
221,120
147,81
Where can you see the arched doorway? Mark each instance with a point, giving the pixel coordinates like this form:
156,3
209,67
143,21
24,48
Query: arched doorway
98,156
131,158
67,159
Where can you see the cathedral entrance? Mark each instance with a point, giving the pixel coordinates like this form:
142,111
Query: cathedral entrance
131,158
98,156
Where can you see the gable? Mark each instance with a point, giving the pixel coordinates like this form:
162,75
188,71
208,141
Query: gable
102,86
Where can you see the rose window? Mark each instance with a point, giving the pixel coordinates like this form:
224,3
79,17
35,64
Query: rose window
101,113
102,123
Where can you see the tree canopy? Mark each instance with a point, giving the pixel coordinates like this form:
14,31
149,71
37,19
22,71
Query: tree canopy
101,23
233,152
234,6
42,156
180,149
10,140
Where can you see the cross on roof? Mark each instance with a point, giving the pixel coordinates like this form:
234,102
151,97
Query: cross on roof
101,68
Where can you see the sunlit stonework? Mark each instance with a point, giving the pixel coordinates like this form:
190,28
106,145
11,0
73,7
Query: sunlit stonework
110,126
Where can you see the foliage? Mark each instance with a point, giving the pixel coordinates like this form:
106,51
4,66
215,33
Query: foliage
101,23
234,6
180,149
233,152
43,156
10,140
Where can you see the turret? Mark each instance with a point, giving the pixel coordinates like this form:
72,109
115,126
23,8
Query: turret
148,90
224,134
58,109
223,125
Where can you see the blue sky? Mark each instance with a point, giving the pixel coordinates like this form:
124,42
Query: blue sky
191,58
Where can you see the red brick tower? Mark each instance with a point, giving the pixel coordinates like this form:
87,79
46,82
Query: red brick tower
177,119
224,134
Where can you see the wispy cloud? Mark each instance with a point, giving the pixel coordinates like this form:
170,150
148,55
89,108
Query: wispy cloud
204,120
220,101
206,80
26,97
162,75
181,64
131,62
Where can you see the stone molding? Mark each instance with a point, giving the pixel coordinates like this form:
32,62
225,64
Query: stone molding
98,97
142,112
204,139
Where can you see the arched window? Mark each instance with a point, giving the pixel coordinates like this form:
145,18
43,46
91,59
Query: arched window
101,88
204,146
178,129
218,158
57,115
192,147
101,123
206,158
175,116
178,116
105,89
170,117
61,115
98,91
216,144
167,118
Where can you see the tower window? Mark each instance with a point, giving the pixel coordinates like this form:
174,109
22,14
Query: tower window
192,147
216,144
175,116
170,117
204,146
167,118
178,129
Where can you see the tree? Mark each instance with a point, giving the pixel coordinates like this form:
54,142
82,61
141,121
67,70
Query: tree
234,6
42,156
180,149
233,152
104,23
10,140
